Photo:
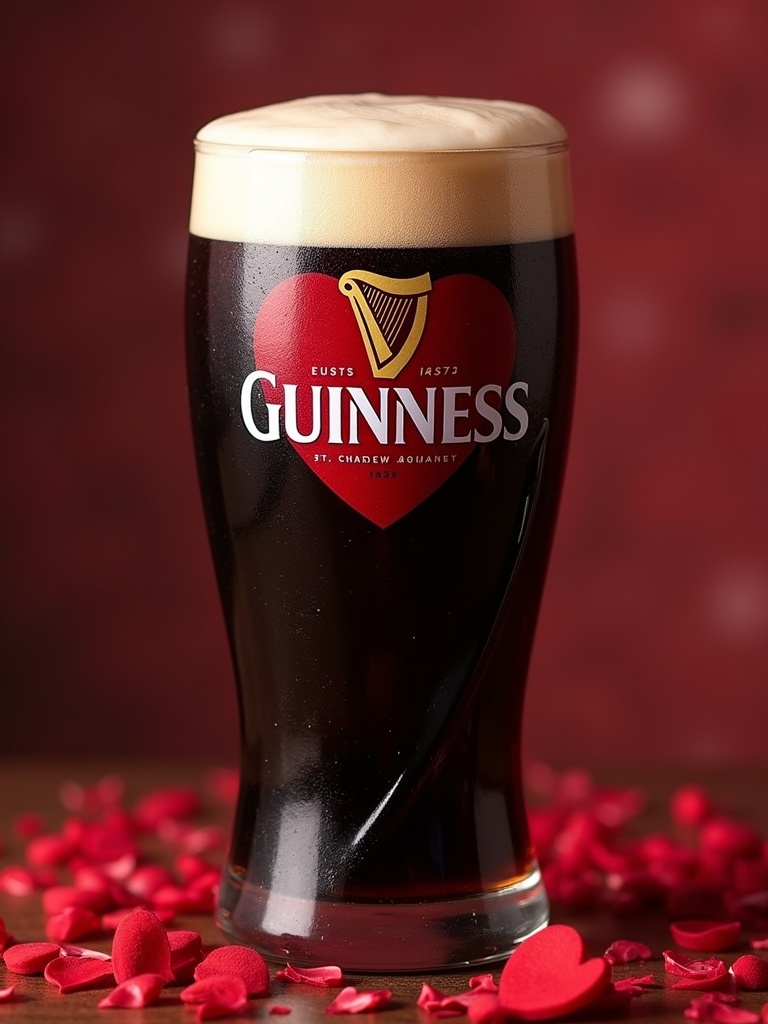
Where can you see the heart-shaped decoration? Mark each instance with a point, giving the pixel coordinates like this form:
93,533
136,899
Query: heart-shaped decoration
547,976
385,442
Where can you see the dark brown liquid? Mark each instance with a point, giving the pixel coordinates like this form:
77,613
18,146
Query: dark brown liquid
380,672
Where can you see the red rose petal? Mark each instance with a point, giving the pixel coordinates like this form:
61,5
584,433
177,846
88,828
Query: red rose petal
696,974
7,994
329,977
635,982
59,897
49,851
483,983
73,973
17,881
705,936
220,995
141,946
279,1010
624,951
170,802
143,990
349,1000
67,949
751,973
690,806
147,879
30,957
240,961
723,1013
759,943
72,923
547,975
27,825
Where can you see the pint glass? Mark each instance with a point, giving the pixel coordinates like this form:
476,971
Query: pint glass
381,322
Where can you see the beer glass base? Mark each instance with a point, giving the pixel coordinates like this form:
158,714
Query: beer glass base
384,937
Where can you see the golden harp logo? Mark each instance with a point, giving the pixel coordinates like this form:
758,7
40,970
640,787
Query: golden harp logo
391,313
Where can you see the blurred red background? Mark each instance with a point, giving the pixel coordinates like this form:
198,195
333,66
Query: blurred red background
653,641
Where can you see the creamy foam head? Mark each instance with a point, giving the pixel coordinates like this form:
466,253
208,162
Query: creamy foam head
379,171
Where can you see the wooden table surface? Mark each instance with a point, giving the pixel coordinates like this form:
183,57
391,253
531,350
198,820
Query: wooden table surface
35,786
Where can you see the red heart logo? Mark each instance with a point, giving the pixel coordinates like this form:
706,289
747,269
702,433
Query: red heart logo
379,450
547,976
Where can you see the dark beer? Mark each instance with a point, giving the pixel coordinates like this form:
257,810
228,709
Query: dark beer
381,433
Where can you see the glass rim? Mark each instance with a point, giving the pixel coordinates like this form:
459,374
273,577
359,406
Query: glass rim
240,149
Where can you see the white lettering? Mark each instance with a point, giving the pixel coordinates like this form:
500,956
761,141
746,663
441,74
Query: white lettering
517,410
361,402
424,422
451,414
291,417
246,408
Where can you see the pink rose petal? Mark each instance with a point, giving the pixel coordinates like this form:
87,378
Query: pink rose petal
624,951
141,946
7,994
143,990
759,943
30,957
73,973
329,977
350,1000
240,961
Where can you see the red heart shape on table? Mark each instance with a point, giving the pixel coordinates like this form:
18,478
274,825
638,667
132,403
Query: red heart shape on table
547,976
306,327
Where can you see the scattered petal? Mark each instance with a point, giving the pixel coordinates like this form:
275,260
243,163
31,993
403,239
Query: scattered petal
17,881
723,1013
349,1000
279,1010
705,936
72,923
49,851
170,802
329,977
486,1009
67,949
143,990
690,806
220,995
72,973
30,957
635,982
59,897
240,961
141,946
624,951
7,994
751,973
696,974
